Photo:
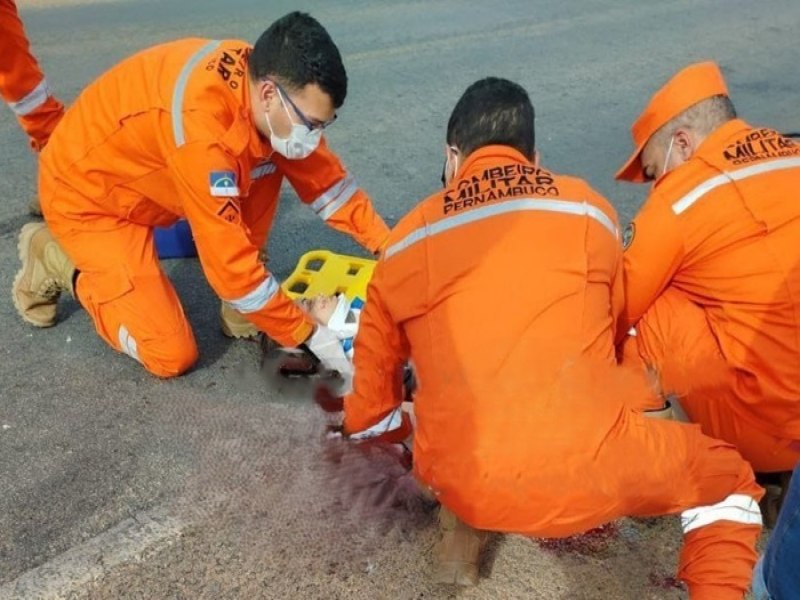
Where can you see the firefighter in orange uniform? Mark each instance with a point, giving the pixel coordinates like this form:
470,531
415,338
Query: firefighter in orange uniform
504,291
712,267
22,83
205,130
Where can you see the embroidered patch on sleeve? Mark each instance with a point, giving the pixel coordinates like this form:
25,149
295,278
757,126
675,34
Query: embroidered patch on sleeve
627,236
229,212
223,184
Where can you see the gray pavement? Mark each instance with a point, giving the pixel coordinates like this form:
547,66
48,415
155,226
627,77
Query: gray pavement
88,440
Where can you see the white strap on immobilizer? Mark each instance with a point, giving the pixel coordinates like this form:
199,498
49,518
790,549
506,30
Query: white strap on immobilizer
338,322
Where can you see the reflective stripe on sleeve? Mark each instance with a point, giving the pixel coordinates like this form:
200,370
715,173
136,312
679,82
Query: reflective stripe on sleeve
180,90
258,298
33,100
738,508
335,197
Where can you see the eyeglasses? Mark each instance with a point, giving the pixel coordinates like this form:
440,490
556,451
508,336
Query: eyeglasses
312,124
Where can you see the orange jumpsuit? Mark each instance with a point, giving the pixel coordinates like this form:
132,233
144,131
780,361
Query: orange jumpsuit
503,290
712,282
22,83
168,133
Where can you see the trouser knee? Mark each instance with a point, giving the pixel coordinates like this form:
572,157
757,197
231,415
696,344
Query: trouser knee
170,357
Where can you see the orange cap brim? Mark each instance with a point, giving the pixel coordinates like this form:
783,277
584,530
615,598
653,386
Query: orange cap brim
632,170
689,86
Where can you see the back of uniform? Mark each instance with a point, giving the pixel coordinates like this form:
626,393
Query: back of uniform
714,269
503,291
494,288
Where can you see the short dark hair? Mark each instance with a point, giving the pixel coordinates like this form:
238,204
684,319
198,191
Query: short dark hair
492,111
297,51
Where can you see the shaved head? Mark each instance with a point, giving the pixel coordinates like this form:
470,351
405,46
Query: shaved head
676,141
702,118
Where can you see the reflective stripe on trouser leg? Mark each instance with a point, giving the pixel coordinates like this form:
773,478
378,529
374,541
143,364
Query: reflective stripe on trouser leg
128,344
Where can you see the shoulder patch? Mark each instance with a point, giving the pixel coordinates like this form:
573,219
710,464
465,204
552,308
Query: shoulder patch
222,184
627,235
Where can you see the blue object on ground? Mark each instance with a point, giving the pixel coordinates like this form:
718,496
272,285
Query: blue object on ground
175,241
776,575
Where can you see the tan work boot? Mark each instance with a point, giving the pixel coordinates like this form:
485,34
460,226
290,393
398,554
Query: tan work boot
233,323
458,552
46,272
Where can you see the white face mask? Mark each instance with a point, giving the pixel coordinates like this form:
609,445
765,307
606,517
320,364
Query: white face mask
301,142
669,151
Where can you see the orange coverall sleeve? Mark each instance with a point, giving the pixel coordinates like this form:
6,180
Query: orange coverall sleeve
22,83
653,253
381,351
333,194
227,254
618,291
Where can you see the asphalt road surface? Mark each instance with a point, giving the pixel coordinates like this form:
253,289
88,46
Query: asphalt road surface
115,484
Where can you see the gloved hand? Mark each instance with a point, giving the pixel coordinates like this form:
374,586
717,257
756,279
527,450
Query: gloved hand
386,437
325,346
394,428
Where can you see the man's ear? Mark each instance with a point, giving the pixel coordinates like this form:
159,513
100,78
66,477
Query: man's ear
685,143
266,92
448,153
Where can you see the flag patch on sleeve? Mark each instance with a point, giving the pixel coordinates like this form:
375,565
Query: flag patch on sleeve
223,184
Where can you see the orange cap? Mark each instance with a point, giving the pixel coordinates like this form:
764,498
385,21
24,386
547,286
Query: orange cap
688,87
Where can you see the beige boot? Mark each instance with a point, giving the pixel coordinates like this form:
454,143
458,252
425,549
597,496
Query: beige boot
458,552
46,272
234,325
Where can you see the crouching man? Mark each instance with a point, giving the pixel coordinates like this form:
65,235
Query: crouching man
504,291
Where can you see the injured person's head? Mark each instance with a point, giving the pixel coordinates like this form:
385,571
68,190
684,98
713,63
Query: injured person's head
336,311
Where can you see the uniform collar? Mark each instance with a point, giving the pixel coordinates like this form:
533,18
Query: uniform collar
242,135
722,133
258,146
491,154
711,144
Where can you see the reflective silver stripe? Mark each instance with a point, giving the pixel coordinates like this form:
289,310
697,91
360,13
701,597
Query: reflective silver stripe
390,422
258,298
523,205
262,170
738,508
731,176
32,101
127,343
180,89
336,197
